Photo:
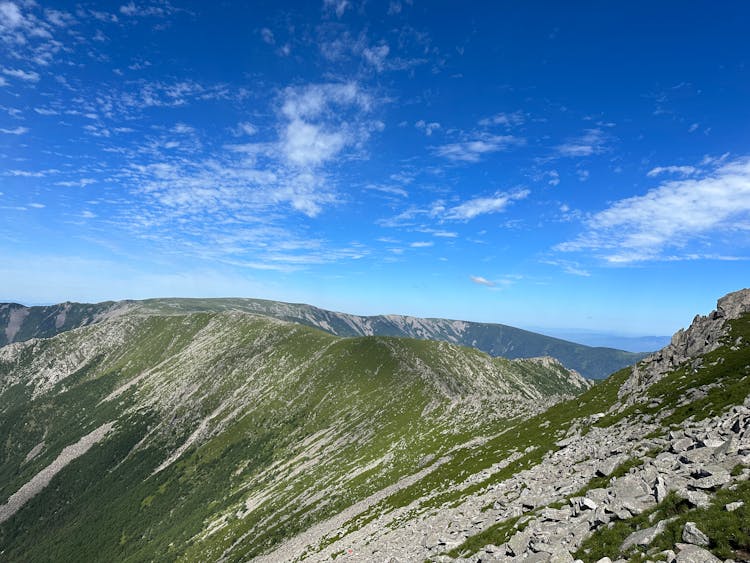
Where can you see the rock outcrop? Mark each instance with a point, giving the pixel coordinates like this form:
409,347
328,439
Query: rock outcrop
704,335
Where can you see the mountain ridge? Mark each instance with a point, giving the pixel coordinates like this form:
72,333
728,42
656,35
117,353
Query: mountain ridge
18,322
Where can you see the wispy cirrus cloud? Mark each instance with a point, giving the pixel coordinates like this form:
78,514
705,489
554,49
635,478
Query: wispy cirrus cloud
674,219
427,127
677,170
27,76
250,200
149,9
475,147
591,142
338,7
479,280
497,284
484,205
505,119
29,32
14,131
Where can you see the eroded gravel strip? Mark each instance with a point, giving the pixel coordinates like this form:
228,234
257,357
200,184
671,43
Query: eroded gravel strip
39,481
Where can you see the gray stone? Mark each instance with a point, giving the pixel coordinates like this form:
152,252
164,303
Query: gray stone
660,489
606,467
519,542
732,506
641,537
693,554
588,503
698,499
539,557
710,477
646,536
691,534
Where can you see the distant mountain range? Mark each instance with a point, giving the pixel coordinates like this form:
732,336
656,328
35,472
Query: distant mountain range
18,323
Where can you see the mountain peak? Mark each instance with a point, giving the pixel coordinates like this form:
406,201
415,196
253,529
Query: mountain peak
704,335
734,304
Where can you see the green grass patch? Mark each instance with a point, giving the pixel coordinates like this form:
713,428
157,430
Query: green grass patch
497,534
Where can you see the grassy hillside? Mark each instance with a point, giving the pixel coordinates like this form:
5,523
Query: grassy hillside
231,432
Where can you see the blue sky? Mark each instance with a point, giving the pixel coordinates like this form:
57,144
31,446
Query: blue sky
541,164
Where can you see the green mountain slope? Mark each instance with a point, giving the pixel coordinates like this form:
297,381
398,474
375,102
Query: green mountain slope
208,436
636,458
18,323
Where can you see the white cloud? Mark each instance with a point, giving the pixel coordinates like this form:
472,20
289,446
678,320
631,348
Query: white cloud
474,149
376,55
37,205
317,128
131,9
394,8
387,189
505,119
25,173
426,127
336,6
28,76
672,216
245,128
15,131
10,15
679,170
482,281
306,144
267,36
592,142
572,268
483,205
58,18
422,244
82,183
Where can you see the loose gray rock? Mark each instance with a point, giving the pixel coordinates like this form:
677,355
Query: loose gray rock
691,534
693,554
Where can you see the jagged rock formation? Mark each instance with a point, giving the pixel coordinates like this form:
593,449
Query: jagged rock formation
18,323
704,335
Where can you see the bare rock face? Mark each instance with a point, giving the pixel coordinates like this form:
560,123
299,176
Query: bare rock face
704,335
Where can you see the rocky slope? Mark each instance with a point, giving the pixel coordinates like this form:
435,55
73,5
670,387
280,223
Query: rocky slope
19,323
216,436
